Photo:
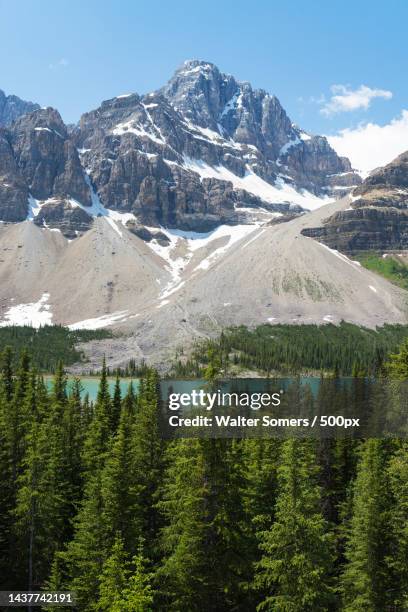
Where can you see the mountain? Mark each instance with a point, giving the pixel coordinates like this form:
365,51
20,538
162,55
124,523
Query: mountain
169,216
203,151
162,297
210,99
12,107
377,218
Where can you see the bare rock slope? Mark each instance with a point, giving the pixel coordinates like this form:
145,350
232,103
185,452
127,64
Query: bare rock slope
160,297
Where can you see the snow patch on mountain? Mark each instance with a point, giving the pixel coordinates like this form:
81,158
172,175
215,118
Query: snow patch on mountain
34,208
190,242
113,217
279,193
34,314
232,104
130,127
355,264
100,322
291,143
240,231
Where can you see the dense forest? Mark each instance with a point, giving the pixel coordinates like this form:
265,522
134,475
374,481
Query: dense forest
94,500
48,345
344,349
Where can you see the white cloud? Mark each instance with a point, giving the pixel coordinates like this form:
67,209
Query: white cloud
345,99
371,145
62,63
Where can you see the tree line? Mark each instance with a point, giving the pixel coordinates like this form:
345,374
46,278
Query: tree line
48,344
95,501
343,349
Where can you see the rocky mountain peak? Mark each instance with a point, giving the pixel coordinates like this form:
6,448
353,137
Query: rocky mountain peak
12,107
200,91
204,150
232,108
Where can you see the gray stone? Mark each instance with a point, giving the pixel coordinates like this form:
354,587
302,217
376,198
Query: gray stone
12,107
47,158
378,217
13,188
71,220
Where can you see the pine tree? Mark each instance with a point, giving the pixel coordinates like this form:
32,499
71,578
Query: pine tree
204,540
74,428
7,382
398,557
24,450
116,405
262,460
123,589
82,562
16,417
6,483
83,559
366,580
60,385
120,495
397,365
43,497
147,460
138,596
295,570
213,365
261,464
114,579
99,432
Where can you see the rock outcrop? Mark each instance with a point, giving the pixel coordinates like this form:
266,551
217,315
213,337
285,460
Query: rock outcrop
12,107
70,220
378,216
47,157
40,163
13,187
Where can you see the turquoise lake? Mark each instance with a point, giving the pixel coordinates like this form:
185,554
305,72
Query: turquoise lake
253,385
90,385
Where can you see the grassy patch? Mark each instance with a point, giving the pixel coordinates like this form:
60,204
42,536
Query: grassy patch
389,267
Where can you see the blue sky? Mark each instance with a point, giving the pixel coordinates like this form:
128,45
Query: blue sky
74,54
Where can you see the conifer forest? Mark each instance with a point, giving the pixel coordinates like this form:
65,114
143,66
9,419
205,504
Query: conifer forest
95,501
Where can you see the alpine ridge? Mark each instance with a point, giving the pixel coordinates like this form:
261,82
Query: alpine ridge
377,218
12,107
171,215
202,151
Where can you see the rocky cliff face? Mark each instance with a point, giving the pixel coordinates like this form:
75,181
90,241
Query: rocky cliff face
12,107
39,163
377,218
203,146
145,157
47,157
204,150
13,187
255,118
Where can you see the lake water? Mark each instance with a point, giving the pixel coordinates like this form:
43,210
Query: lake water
90,385
382,409
251,385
